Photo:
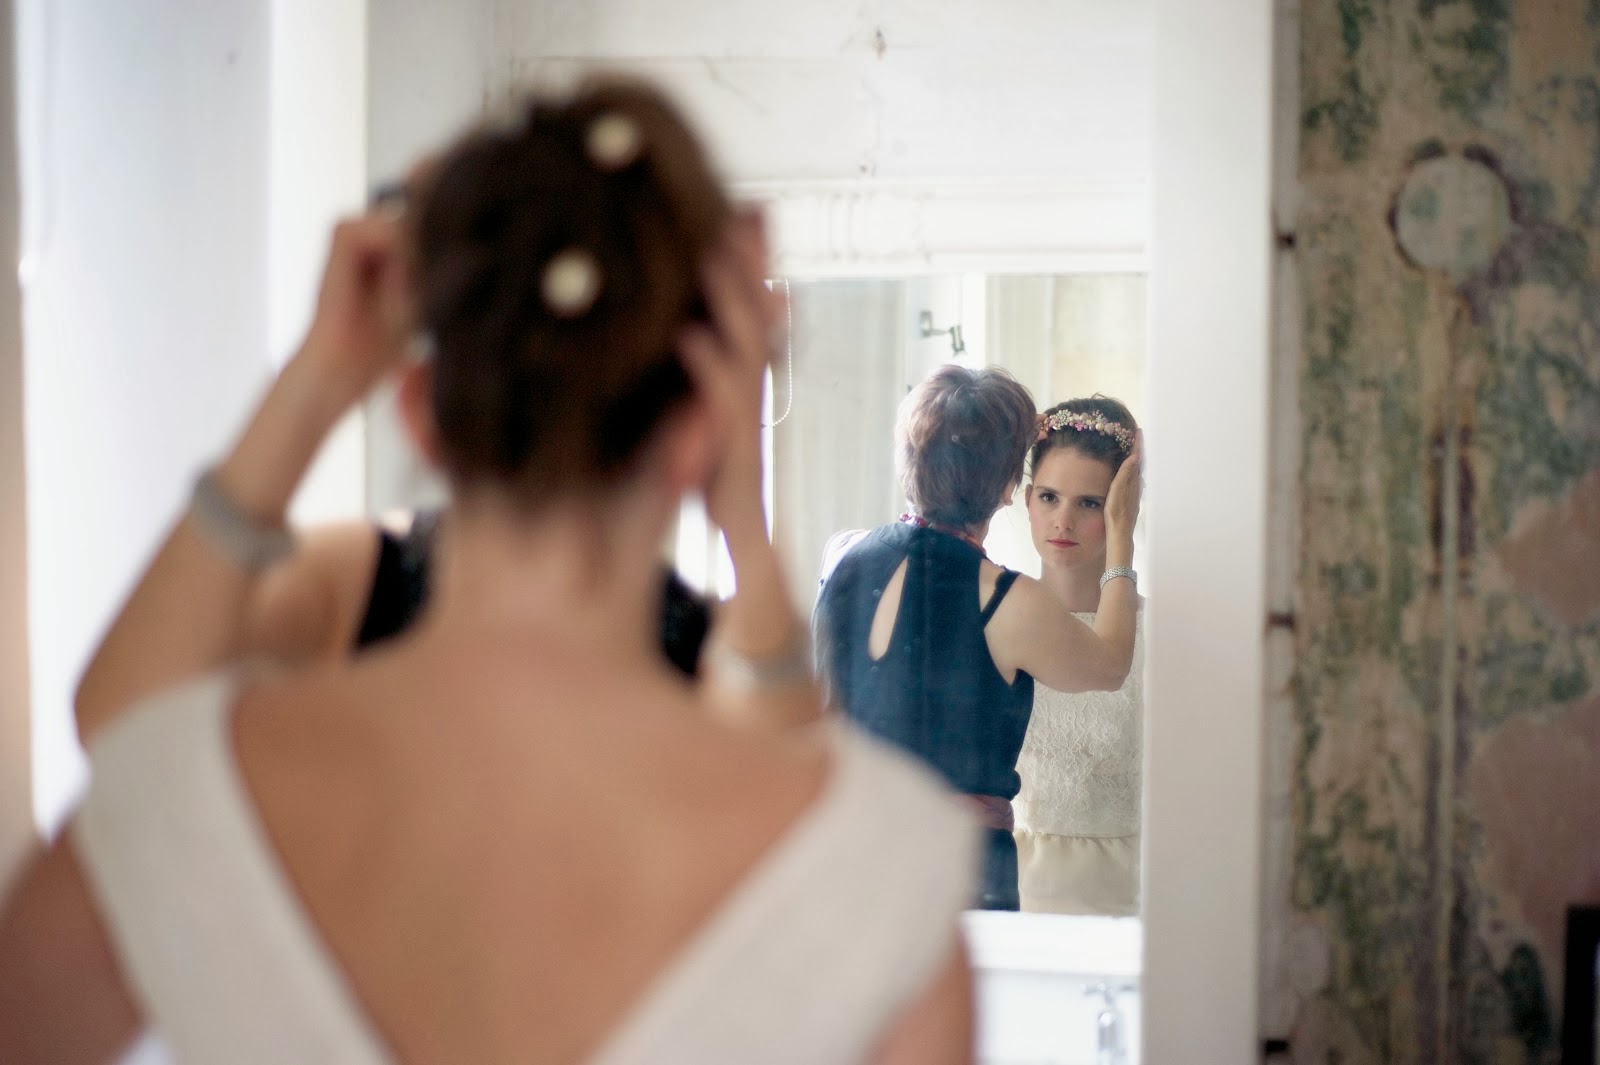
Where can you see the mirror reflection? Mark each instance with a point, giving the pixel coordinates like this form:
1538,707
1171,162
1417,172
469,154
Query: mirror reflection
985,620
964,577
952,493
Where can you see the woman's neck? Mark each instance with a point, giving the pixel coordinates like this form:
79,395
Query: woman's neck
973,534
578,577
1076,586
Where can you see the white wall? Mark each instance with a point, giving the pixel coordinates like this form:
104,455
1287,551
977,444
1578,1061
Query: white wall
917,99
144,153
317,152
180,165
887,89
427,74
428,68
1209,284
16,822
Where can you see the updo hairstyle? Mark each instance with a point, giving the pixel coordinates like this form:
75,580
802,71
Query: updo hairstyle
557,260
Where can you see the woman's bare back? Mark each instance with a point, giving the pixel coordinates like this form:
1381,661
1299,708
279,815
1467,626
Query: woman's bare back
435,804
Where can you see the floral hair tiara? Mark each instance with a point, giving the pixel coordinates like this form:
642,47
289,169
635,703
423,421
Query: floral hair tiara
1091,422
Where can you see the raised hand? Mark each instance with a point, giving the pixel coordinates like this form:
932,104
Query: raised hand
362,323
1122,502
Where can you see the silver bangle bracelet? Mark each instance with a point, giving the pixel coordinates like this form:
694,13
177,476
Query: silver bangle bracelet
236,534
1118,571
791,666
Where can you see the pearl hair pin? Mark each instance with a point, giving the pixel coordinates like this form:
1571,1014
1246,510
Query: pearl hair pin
571,283
613,141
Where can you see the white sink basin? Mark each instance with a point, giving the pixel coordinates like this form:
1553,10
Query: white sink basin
1034,973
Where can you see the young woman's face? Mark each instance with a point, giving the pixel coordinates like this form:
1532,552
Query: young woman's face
1067,508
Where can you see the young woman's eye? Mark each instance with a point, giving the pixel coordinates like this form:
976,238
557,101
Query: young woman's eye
1091,504
1047,497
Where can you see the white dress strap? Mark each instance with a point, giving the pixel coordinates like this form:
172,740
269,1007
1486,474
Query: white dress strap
213,940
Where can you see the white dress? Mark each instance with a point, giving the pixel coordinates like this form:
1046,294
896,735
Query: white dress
842,924
1077,815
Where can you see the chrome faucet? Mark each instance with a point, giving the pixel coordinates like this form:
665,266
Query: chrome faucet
1111,1047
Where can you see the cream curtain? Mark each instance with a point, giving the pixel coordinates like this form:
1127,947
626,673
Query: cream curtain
833,462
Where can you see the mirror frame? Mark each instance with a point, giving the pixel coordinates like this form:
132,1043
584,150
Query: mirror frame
1211,367
871,228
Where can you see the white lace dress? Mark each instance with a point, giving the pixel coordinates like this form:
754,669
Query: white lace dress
1077,815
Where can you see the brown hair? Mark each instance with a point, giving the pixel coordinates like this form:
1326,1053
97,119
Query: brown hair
1096,445
535,399
963,436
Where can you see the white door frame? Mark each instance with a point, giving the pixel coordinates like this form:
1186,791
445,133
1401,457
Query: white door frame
1210,294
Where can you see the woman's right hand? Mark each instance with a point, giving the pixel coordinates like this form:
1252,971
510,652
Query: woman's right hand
1122,501
358,334
363,320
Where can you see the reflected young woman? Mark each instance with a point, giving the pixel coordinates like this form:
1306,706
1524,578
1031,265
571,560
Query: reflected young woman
514,832
1077,815
928,644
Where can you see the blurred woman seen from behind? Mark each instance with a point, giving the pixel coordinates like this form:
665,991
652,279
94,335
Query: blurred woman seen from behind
587,858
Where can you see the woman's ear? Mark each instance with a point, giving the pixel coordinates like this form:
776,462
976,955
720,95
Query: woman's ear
1027,496
415,400
689,448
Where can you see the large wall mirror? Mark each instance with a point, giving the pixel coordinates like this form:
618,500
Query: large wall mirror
941,189
968,183
1076,191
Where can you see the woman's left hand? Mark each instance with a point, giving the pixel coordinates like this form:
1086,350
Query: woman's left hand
1122,502
359,330
728,360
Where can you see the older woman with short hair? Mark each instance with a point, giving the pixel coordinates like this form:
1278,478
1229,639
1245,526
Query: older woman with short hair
929,645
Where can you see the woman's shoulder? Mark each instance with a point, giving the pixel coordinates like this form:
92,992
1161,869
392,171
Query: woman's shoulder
170,722
840,791
839,545
210,713
877,816
1019,587
994,570
881,859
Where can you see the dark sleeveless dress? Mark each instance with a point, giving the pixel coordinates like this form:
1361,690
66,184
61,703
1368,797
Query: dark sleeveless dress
400,590
936,691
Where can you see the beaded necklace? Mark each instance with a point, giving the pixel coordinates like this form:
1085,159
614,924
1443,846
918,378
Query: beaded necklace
923,523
